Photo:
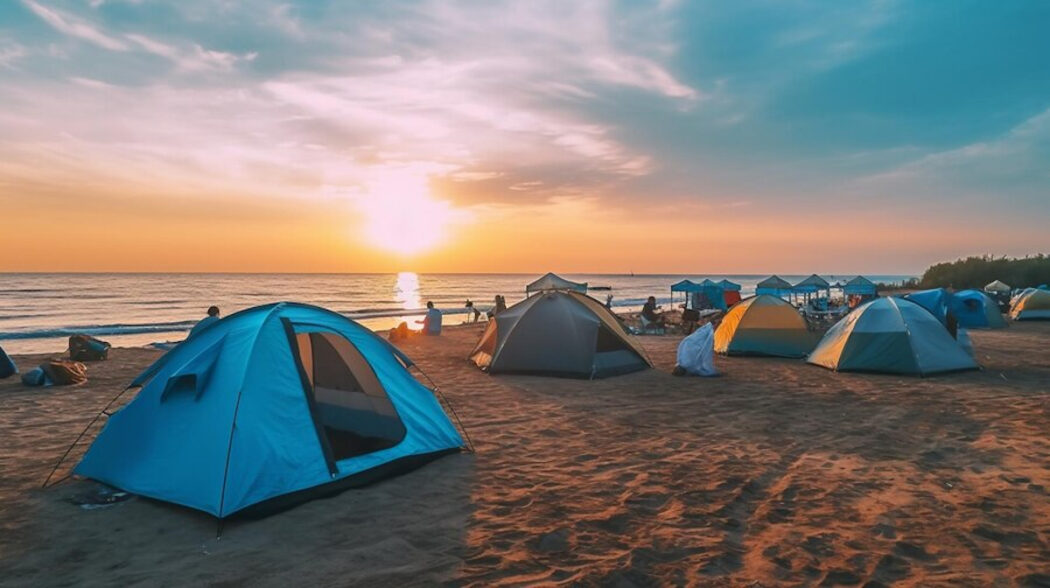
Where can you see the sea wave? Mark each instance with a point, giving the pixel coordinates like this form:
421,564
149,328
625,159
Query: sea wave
181,326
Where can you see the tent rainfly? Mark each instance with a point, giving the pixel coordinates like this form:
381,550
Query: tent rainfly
552,281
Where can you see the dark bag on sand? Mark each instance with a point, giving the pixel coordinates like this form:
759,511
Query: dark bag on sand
7,367
65,373
87,348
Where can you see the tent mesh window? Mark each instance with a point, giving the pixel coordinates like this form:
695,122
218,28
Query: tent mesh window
350,404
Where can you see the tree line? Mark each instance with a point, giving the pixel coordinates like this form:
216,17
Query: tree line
975,272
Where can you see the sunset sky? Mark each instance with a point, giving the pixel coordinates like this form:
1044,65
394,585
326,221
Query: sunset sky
694,137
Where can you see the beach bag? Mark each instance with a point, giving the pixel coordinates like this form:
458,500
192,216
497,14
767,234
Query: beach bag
34,377
7,367
87,348
63,372
696,353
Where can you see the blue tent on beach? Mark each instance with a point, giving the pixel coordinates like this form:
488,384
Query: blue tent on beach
7,367
266,408
891,335
935,300
727,285
976,310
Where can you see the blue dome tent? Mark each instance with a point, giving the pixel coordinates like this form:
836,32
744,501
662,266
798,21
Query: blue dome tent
894,336
268,407
976,310
936,300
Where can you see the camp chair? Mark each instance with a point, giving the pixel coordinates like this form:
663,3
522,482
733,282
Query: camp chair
649,327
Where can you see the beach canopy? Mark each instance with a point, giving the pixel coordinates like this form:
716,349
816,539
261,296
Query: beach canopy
975,310
727,285
860,286
558,333
685,286
774,285
266,408
714,294
764,325
1034,304
552,281
996,286
812,284
891,335
935,300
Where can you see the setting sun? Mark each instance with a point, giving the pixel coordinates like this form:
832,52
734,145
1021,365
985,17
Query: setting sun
401,217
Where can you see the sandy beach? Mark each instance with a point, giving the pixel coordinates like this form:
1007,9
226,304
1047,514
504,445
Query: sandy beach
776,473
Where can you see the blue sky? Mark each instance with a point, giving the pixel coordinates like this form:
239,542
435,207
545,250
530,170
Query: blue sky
901,133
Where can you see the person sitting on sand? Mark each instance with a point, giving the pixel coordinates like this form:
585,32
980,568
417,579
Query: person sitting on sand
649,313
432,321
213,315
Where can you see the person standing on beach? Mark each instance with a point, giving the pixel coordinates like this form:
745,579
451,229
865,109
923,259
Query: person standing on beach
213,315
432,321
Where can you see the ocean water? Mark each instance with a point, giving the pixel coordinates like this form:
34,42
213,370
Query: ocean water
38,312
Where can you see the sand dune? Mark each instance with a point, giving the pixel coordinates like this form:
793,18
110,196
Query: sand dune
778,473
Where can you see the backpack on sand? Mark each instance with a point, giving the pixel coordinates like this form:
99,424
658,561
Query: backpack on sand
87,348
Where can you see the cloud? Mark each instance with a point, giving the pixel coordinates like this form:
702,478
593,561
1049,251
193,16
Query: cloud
9,54
196,58
74,27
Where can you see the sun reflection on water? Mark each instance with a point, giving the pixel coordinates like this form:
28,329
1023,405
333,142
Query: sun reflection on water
406,293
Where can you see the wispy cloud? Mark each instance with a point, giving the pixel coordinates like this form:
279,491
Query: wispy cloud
75,27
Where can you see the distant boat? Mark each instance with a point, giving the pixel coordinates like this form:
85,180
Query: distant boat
599,287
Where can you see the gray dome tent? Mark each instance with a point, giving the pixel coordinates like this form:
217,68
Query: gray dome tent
558,333
894,336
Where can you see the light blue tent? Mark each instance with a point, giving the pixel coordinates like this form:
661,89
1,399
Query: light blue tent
891,335
268,407
935,300
976,310
727,285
